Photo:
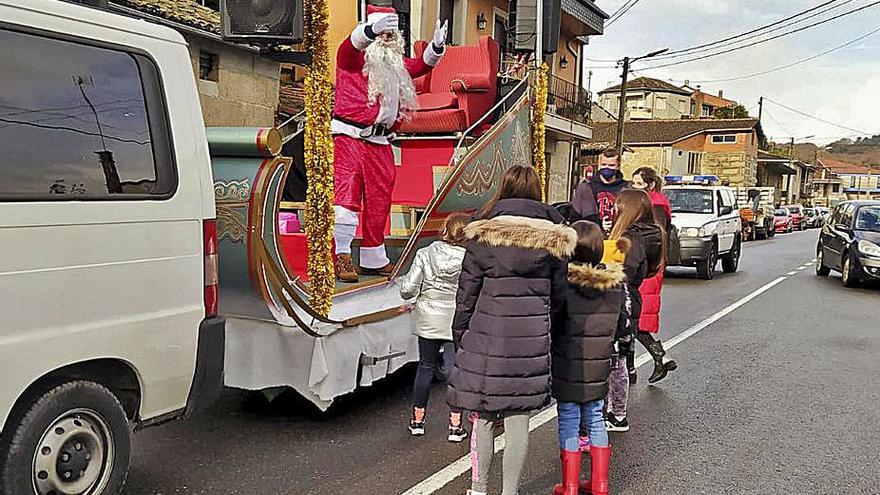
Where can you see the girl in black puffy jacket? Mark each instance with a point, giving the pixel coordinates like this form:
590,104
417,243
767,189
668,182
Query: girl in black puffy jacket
513,281
645,257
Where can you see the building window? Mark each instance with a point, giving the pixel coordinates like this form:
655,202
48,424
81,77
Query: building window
211,4
209,66
835,188
682,106
707,111
723,138
499,31
660,103
693,107
96,129
694,162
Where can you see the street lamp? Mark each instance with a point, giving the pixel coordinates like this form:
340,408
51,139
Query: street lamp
621,113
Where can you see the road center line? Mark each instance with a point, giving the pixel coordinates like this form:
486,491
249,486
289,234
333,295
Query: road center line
791,273
460,466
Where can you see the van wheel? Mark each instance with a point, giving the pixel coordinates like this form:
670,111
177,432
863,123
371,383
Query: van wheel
706,268
730,261
74,439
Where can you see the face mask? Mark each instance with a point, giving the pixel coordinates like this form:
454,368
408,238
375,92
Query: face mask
607,173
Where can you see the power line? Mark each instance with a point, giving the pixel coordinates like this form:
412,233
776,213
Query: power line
777,122
621,14
786,66
685,51
73,129
619,9
805,114
802,28
725,41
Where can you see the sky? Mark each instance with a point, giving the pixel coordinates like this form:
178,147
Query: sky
842,87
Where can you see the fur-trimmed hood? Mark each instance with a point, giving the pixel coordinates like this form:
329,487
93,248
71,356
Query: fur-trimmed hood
597,277
524,232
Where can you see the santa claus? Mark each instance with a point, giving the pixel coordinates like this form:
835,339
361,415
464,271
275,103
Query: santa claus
374,92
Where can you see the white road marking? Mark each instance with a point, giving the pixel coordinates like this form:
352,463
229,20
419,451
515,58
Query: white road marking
441,478
791,273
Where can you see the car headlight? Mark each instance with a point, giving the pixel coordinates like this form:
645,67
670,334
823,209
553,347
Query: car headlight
707,231
868,248
690,232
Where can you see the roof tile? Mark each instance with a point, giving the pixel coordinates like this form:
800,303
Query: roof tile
666,131
186,12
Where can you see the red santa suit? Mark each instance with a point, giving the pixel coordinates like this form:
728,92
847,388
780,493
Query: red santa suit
363,166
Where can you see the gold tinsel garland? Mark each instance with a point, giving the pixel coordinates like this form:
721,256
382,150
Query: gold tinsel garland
539,131
318,144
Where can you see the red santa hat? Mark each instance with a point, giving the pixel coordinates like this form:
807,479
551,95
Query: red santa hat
374,13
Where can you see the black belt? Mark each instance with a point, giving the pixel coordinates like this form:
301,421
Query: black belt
368,131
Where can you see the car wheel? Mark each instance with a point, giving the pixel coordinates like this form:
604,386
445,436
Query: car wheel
730,261
73,439
821,269
849,278
706,268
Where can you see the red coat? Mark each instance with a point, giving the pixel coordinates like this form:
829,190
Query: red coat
651,287
352,88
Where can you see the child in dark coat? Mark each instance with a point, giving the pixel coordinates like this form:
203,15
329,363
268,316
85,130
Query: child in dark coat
581,351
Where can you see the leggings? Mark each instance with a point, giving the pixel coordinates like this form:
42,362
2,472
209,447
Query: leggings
618,387
516,440
429,360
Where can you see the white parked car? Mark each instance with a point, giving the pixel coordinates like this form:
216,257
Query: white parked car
708,222
108,272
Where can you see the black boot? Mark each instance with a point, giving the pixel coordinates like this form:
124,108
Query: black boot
661,367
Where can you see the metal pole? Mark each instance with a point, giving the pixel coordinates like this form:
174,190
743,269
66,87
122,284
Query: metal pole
760,108
539,35
621,112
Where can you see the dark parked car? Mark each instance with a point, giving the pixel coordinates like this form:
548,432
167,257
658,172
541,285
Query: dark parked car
850,242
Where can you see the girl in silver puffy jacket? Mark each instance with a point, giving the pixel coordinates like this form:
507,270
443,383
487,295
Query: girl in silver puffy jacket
433,282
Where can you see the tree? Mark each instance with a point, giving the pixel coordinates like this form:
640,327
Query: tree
731,112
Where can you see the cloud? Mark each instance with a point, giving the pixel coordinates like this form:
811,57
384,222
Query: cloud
843,86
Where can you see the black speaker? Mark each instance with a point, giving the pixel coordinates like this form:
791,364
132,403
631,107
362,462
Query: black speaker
266,21
552,23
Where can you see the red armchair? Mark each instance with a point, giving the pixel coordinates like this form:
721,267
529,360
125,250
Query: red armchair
460,89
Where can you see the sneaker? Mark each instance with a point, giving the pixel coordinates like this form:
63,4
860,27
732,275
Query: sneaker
416,428
457,434
614,424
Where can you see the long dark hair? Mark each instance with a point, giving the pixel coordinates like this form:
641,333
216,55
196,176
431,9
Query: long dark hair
517,182
634,206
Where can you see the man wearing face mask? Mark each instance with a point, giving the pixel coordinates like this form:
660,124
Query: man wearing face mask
595,199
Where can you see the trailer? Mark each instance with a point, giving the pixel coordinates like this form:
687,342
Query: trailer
756,211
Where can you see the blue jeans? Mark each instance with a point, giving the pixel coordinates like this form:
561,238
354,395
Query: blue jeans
571,414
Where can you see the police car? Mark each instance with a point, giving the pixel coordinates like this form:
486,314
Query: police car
708,222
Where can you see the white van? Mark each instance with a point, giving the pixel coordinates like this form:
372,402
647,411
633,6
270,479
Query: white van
108,291
708,221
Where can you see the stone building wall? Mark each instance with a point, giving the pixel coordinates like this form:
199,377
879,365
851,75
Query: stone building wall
738,168
643,157
242,91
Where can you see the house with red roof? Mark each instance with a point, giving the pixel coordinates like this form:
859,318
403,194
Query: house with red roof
854,181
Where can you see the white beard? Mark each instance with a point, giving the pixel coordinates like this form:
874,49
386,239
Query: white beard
386,73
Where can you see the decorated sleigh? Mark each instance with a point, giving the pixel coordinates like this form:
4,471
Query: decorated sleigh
273,295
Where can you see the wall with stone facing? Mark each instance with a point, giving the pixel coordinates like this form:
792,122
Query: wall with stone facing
738,168
643,156
245,93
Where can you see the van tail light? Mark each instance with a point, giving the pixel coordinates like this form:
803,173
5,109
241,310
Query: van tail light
212,294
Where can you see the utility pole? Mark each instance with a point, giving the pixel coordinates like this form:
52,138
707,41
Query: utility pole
621,111
590,94
789,194
539,38
760,108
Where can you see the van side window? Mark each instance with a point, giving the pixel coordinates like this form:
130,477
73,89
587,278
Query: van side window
80,122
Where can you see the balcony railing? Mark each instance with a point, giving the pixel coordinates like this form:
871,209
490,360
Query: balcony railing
568,100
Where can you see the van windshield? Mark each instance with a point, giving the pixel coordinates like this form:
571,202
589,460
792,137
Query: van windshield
690,200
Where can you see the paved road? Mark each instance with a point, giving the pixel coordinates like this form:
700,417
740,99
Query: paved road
779,396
